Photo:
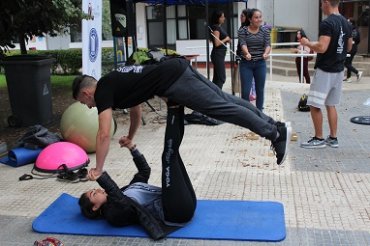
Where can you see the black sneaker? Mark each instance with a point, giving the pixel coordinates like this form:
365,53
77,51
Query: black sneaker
280,145
68,176
82,174
279,123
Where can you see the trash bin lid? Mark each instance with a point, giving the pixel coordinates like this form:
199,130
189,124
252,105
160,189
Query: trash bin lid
36,60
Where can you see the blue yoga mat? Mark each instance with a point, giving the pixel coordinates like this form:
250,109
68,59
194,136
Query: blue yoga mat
20,156
214,219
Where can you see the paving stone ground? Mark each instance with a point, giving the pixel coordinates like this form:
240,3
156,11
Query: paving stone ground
326,192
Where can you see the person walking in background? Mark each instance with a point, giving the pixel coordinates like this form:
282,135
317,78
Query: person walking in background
254,40
219,39
335,40
348,63
305,50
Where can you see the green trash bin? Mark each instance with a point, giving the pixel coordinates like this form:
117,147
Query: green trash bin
29,88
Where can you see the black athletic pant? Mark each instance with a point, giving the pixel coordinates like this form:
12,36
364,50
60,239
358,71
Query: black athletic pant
219,70
348,62
178,196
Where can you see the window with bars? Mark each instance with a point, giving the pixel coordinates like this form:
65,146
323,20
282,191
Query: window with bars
180,25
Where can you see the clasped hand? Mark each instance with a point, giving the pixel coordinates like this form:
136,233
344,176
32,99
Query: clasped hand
248,56
93,174
125,142
304,41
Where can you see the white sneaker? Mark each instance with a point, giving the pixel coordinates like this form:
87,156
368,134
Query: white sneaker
348,80
359,75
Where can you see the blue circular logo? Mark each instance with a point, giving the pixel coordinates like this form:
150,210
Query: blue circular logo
93,45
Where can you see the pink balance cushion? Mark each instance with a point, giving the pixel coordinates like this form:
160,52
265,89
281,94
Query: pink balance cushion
55,155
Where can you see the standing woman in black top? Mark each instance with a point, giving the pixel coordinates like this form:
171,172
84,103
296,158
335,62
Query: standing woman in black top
300,48
219,39
254,40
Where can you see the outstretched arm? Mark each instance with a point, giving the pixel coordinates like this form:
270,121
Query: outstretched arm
135,121
102,142
320,46
142,166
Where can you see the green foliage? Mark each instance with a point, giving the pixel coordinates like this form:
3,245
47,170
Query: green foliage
107,60
70,61
24,19
56,80
106,23
62,80
141,55
2,80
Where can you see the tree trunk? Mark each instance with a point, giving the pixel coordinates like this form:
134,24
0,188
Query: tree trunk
22,44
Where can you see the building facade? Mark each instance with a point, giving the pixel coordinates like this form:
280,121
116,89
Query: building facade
184,27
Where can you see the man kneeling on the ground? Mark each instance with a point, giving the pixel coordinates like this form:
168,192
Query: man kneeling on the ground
175,81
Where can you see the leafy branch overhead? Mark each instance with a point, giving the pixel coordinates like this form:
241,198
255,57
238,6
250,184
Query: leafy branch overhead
22,19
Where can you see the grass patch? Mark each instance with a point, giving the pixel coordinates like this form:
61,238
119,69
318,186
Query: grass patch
56,80
2,81
62,80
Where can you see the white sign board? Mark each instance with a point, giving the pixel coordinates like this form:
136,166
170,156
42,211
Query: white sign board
92,38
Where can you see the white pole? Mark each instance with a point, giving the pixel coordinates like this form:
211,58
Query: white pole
271,64
301,72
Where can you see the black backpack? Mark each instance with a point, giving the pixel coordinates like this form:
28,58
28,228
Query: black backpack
37,136
302,104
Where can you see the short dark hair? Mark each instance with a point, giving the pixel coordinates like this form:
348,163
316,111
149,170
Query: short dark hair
80,82
334,3
86,207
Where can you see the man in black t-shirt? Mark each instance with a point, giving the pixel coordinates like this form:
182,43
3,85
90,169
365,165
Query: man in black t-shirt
178,84
335,41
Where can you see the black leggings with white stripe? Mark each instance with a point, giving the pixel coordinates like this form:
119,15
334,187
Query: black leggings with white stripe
178,196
